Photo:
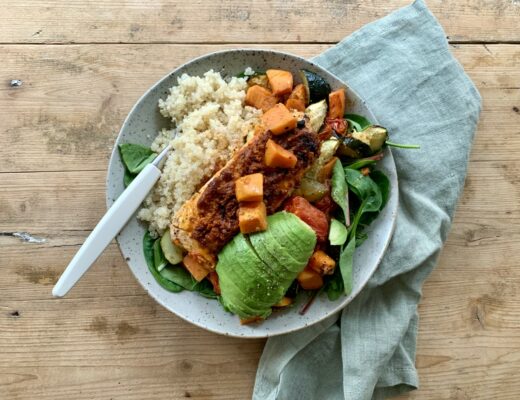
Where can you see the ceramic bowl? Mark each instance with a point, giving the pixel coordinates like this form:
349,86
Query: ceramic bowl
141,126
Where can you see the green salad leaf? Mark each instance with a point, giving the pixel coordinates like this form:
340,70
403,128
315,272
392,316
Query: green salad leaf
334,286
361,164
135,157
159,261
128,178
148,250
357,122
346,264
339,189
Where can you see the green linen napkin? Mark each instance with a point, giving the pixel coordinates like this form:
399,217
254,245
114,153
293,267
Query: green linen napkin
402,67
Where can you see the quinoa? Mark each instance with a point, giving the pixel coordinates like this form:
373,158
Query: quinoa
209,122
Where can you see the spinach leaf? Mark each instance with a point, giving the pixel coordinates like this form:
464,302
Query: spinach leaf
159,261
135,157
365,189
339,190
382,181
346,263
179,275
337,233
334,286
205,289
128,178
358,122
360,164
148,244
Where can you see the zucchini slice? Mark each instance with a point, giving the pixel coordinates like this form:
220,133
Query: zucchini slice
316,113
317,88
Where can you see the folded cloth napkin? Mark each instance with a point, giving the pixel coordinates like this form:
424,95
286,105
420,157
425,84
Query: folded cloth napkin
402,67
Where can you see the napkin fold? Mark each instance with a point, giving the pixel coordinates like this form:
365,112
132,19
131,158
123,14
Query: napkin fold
401,65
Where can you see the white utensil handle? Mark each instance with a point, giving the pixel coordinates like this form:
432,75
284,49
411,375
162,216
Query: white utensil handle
109,226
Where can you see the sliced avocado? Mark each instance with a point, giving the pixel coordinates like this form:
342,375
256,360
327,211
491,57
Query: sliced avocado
317,88
249,268
282,249
255,275
316,113
374,136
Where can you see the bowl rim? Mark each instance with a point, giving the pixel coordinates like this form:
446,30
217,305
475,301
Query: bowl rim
329,313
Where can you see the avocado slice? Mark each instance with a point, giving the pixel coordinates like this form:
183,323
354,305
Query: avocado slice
255,272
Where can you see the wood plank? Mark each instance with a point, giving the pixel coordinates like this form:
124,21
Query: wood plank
468,316
74,98
135,21
110,340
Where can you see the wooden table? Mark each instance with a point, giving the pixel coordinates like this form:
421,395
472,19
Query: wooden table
83,64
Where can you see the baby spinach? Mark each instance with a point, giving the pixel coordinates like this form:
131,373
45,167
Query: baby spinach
128,178
357,122
382,181
365,189
179,275
361,164
148,250
339,190
135,157
334,285
159,260
346,264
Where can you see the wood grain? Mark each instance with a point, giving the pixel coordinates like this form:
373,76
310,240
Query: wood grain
275,21
74,98
108,339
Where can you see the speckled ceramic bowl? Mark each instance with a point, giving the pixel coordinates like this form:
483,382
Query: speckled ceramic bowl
142,125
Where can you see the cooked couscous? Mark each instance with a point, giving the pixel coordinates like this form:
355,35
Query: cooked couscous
209,122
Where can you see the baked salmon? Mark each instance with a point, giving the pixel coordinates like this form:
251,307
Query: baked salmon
209,219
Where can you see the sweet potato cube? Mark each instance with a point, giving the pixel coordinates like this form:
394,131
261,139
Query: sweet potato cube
295,104
310,279
251,320
260,97
252,217
336,104
213,278
196,268
250,187
286,301
300,93
279,119
321,263
281,82
278,157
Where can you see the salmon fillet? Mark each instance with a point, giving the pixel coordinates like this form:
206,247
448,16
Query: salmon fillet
209,219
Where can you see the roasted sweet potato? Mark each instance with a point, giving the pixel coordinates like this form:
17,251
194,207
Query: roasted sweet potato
321,263
213,278
281,82
300,93
278,157
286,301
295,104
195,267
260,98
310,279
336,104
252,217
309,214
279,119
250,187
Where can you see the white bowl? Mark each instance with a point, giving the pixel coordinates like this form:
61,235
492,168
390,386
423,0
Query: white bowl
141,126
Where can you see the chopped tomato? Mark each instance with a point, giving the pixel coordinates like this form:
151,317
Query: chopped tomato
339,125
309,214
325,133
325,204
